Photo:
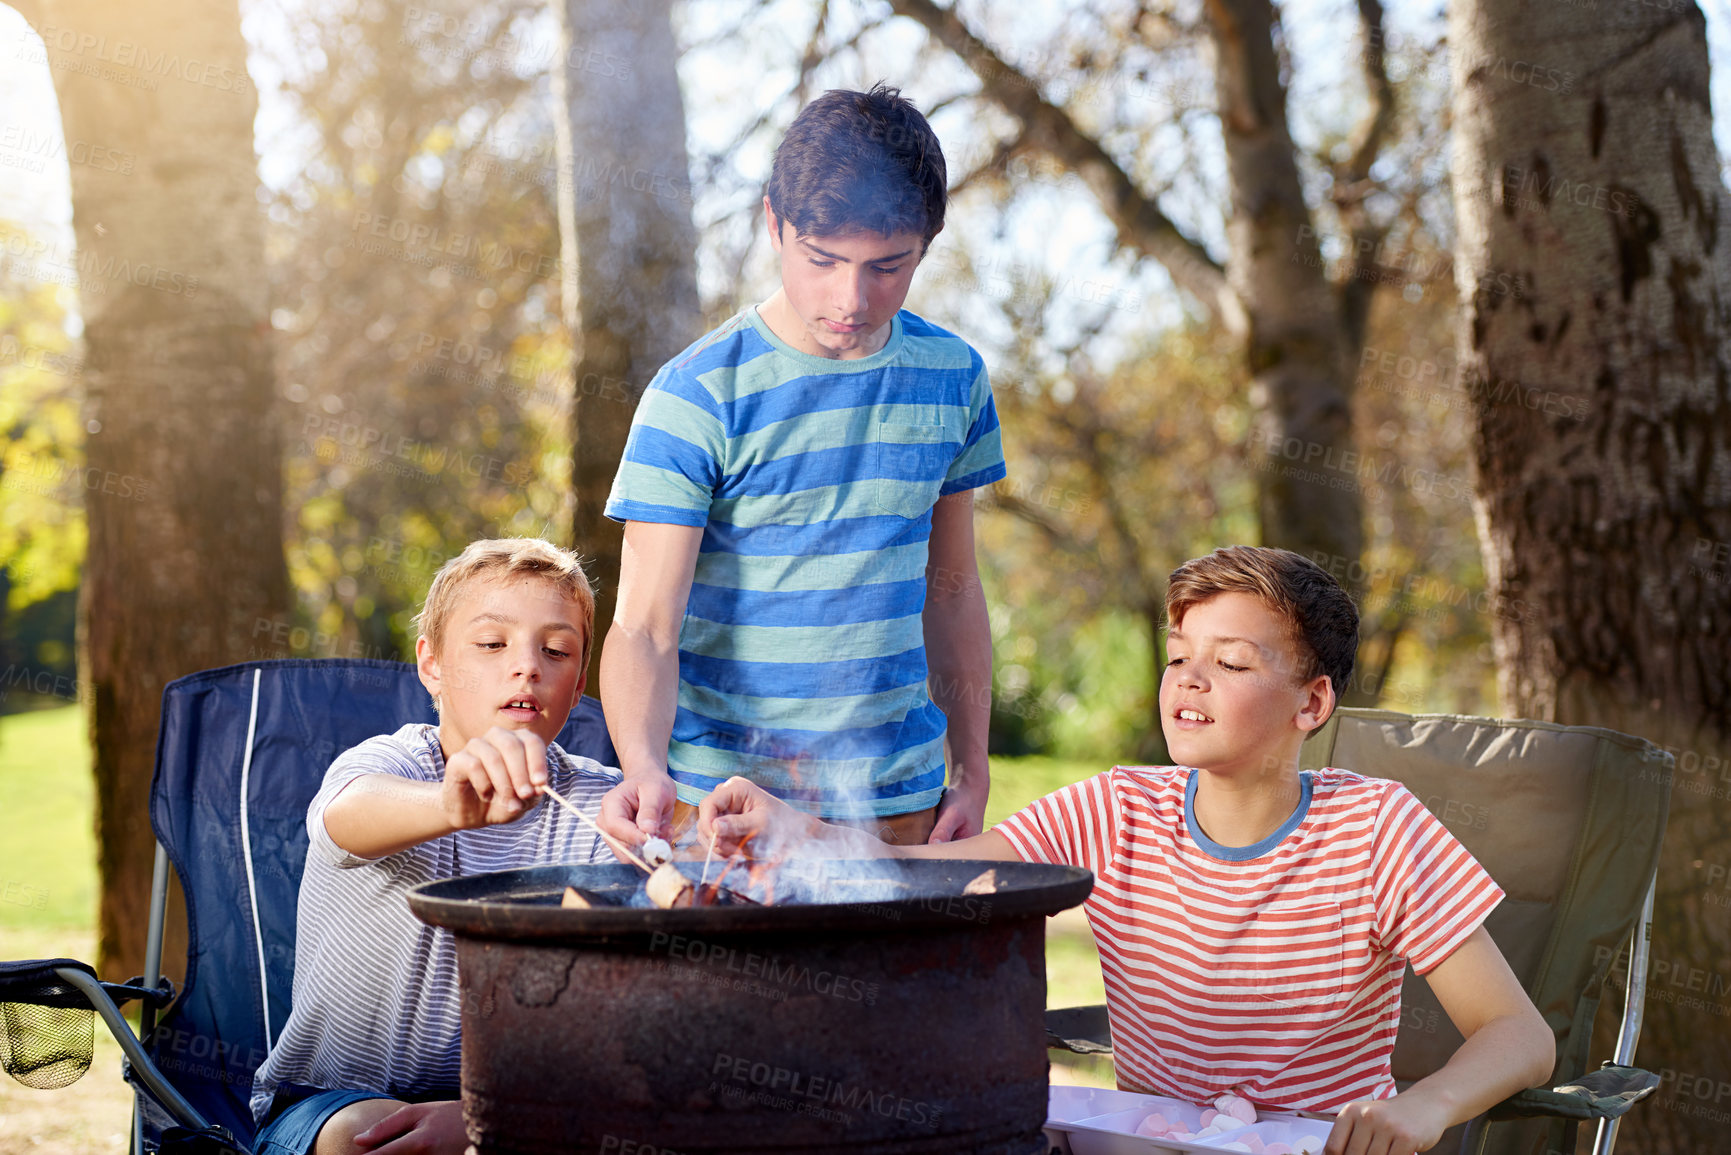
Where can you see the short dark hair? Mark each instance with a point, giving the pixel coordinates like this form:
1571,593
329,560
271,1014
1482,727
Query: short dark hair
1321,617
860,160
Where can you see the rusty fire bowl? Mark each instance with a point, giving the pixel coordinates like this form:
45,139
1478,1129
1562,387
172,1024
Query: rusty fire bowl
909,1020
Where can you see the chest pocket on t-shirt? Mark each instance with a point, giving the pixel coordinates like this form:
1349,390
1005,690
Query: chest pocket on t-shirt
1289,957
912,462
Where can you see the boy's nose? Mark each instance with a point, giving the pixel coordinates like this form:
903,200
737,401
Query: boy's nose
853,298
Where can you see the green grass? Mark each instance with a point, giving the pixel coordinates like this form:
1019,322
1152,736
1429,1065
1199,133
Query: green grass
47,839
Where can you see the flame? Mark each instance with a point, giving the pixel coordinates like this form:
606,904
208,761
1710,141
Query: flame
710,893
758,887
759,875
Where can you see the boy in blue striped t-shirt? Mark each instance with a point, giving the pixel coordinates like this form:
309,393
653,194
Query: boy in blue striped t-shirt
798,599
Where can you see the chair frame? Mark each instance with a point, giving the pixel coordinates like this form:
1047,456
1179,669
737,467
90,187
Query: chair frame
1634,1010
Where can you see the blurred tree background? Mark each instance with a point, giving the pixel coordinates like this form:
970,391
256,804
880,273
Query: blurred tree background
424,368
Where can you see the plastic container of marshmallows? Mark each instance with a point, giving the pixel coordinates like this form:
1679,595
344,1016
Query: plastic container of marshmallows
1092,1121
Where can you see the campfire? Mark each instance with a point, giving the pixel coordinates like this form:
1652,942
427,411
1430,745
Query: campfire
758,1004
668,887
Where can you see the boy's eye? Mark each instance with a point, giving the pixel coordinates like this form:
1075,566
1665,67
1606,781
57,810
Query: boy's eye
822,264
490,645
556,651
1174,661
1233,668
886,272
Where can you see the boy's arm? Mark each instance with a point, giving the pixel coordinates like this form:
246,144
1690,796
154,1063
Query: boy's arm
1508,1048
739,810
491,780
640,674
958,638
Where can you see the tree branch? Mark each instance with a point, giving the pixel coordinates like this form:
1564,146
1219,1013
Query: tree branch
1352,183
1141,225
1055,532
1373,129
1000,158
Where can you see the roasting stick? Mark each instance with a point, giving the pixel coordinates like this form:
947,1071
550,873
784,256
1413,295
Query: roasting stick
707,859
619,848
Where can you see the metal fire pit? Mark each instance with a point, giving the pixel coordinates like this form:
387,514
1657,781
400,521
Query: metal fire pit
908,1021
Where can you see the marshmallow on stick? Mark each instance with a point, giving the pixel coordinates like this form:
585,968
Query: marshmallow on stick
668,888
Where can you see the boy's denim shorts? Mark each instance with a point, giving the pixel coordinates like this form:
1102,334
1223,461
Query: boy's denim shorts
294,1130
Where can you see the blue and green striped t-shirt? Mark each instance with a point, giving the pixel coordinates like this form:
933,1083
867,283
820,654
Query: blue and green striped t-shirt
802,662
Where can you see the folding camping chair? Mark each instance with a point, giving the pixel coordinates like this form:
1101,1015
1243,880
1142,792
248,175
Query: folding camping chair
241,752
1568,820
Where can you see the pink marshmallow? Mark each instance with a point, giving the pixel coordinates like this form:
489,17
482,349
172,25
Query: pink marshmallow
1209,1116
1153,1126
1236,1107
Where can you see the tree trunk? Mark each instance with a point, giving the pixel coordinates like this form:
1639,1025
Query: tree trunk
183,490
629,246
1586,173
1308,493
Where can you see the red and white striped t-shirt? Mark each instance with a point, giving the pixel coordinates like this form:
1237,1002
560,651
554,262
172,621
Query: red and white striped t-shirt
1272,971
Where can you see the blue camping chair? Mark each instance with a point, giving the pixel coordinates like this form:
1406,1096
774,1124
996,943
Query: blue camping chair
241,752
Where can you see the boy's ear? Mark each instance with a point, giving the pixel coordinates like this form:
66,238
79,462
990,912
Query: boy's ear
583,675
925,248
1318,705
427,666
773,222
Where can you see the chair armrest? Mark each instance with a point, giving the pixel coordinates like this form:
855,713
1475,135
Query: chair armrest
1082,1030
1606,1093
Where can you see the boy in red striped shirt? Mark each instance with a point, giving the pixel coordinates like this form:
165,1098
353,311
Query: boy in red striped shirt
1254,921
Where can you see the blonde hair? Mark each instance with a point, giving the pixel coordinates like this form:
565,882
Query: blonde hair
1320,617
504,558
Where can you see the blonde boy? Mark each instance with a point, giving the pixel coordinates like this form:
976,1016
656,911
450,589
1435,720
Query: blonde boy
1254,921
368,1060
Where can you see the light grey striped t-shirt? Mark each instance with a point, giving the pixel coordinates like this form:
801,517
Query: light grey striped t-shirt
376,1005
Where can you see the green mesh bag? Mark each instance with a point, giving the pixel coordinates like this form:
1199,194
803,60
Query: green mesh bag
47,1029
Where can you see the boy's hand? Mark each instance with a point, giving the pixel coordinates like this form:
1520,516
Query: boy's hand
639,808
1409,1122
961,813
739,810
494,778
429,1128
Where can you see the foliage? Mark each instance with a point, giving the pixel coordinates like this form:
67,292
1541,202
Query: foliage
1117,474
425,391
42,535
42,479
414,258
